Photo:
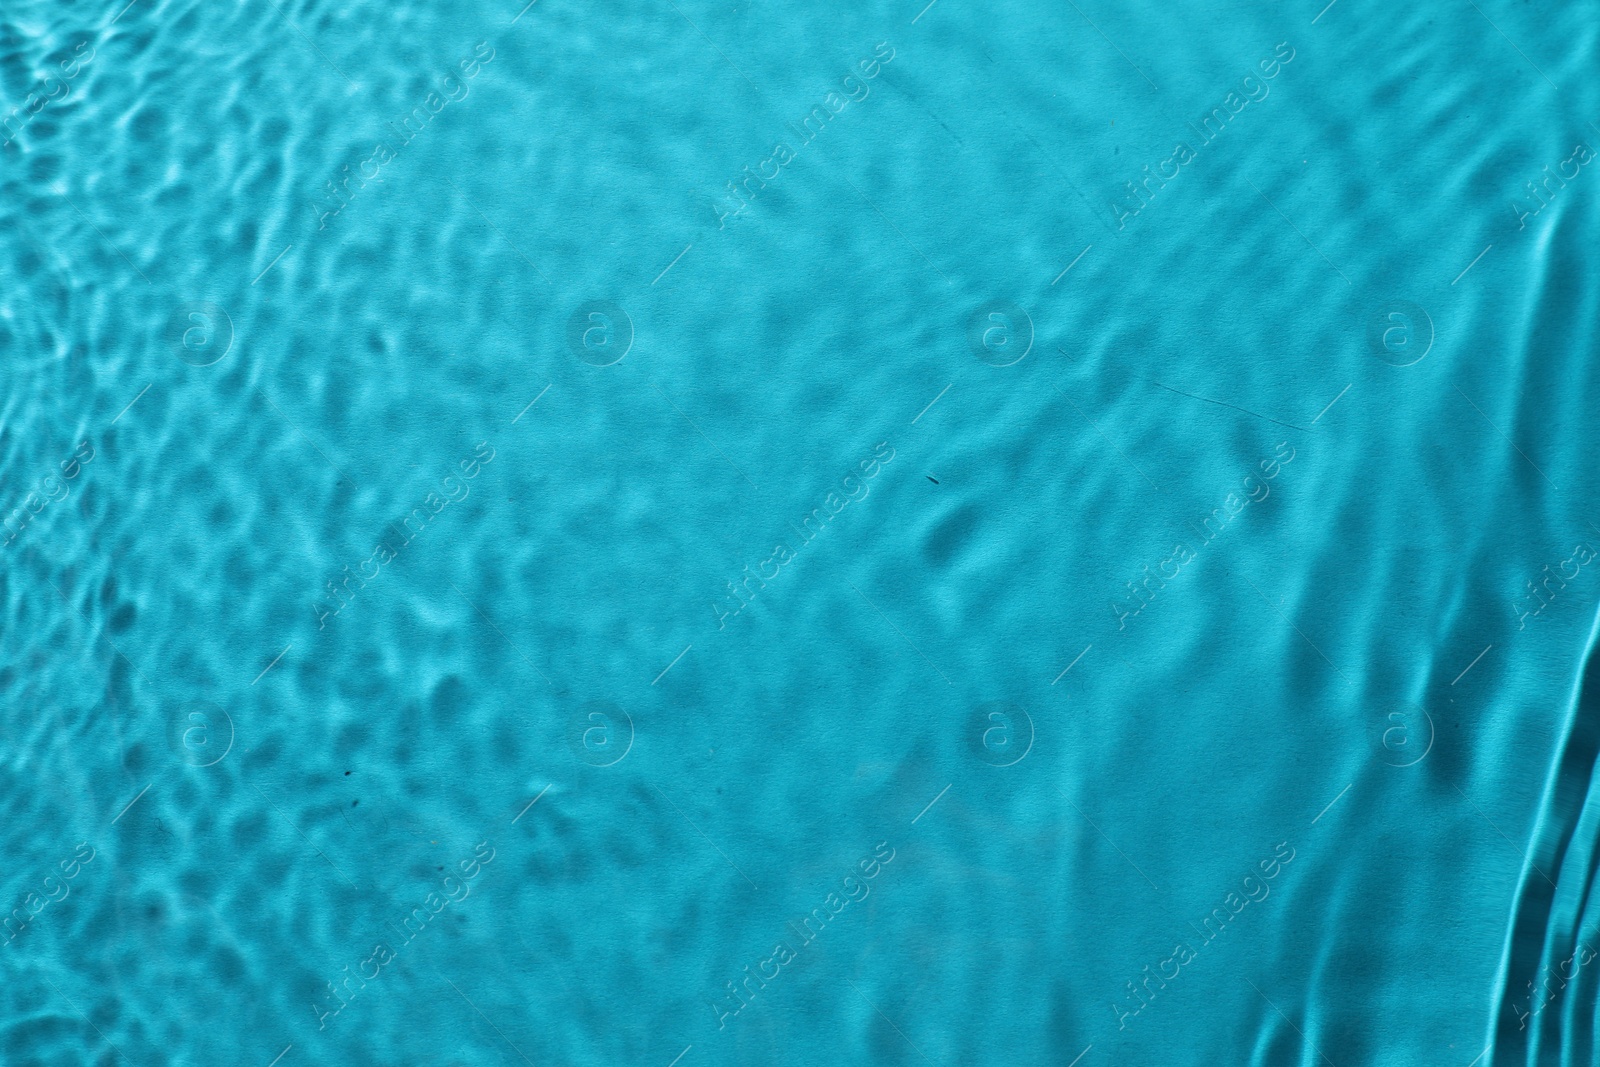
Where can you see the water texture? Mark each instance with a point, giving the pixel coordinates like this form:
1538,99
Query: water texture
912,533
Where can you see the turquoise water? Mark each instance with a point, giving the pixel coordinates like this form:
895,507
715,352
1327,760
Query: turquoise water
685,534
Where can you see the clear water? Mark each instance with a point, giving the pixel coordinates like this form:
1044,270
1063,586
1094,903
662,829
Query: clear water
701,534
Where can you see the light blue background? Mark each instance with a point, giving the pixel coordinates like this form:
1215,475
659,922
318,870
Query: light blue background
1359,616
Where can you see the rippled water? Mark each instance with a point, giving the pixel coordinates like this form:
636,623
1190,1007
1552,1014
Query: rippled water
894,534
